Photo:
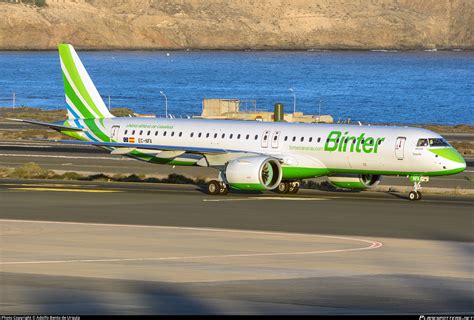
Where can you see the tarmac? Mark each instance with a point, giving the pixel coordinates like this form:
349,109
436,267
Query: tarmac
126,248
75,247
91,160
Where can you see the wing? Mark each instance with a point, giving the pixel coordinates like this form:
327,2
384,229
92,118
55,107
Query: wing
128,147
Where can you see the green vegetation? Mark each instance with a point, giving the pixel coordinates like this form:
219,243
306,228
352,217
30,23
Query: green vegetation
37,3
32,170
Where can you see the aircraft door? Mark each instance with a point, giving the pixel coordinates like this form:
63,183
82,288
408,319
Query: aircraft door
114,135
265,137
400,148
275,139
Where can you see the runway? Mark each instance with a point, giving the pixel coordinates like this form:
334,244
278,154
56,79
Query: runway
77,247
92,160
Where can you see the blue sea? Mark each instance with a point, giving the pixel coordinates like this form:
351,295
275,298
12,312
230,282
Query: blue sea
372,87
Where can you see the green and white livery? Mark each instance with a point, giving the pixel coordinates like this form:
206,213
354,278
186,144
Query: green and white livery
253,155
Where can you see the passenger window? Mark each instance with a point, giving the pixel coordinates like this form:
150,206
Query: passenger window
199,135
256,136
422,143
180,133
247,137
286,138
141,132
275,138
192,134
223,135
319,139
302,139
125,132
294,139
156,133
207,135
172,133
133,132
265,137
231,135
215,135
238,136
164,133
310,139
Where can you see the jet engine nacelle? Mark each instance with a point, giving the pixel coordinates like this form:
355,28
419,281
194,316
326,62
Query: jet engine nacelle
253,173
348,181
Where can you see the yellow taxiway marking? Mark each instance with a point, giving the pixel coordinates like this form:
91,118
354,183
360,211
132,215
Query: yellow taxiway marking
63,190
266,198
48,185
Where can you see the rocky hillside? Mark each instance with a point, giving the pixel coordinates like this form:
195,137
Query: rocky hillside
239,24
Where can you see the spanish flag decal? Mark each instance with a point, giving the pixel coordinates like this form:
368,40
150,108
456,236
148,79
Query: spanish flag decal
131,140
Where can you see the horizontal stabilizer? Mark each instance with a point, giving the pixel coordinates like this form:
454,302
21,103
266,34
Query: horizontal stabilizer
54,126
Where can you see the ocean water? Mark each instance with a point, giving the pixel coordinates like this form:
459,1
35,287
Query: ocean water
372,87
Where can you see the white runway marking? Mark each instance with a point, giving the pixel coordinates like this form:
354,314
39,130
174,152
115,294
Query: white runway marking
369,244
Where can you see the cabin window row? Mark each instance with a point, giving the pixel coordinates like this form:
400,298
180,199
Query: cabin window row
192,134
231,136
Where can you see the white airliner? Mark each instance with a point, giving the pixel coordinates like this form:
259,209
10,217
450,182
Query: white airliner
253,155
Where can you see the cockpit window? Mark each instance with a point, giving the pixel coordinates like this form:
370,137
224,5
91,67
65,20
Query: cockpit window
422,143
438,142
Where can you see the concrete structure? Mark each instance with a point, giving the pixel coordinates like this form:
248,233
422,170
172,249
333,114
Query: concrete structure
231,109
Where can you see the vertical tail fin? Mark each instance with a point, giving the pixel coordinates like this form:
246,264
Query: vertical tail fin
82,98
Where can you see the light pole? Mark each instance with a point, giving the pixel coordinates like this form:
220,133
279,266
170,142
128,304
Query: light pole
166,103
294,99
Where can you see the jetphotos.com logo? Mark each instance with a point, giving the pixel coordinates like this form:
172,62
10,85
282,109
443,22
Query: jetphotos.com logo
444,317
337,141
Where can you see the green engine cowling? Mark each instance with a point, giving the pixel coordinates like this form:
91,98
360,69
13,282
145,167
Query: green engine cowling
360,182
253,173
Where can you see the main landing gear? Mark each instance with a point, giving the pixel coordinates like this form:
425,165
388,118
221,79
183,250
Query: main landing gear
415,193
215,187
288,187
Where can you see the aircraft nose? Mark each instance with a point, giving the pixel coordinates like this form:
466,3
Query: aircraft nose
455,163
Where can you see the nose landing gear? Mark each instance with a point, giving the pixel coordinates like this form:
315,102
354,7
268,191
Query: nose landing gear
415,193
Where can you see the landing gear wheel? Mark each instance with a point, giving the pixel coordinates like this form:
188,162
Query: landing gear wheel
223,189
283,187
213,187
294,187
414,195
